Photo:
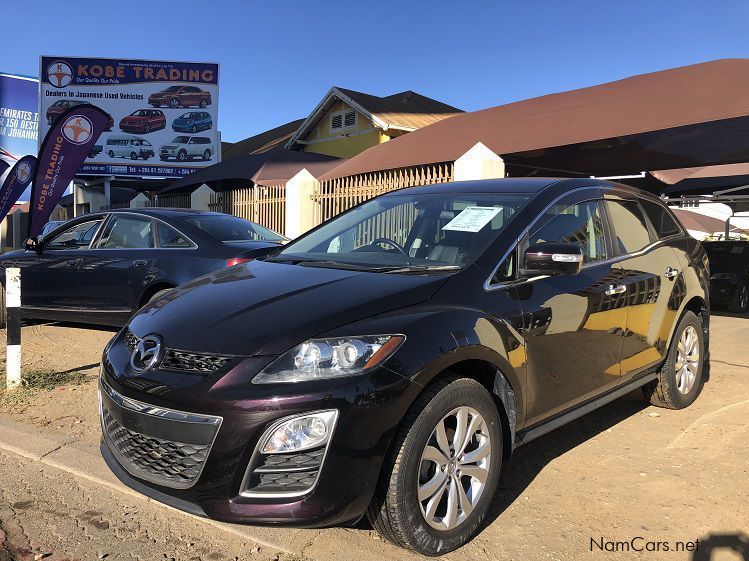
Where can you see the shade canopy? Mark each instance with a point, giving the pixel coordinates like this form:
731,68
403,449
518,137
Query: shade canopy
269,168
683,117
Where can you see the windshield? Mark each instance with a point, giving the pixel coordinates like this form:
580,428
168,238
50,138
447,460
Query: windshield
422,231
181,139
172,89
227,228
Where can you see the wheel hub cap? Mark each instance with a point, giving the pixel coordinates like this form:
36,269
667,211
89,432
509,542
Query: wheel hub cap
454,468
687,360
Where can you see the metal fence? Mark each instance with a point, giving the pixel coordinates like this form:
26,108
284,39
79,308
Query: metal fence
338,195
264,204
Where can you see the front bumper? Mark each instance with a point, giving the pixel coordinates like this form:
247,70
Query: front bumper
369,411
184,127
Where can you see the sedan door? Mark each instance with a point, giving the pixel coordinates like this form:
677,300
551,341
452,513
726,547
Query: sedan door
49,277
572,324
654,285
115,272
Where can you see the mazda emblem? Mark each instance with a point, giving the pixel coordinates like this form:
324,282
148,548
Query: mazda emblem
146,353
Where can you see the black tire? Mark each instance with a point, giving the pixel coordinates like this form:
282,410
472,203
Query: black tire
665,392
203,103
194,129
395,510
111,154
148,127
740,302
207,155
174,103
182,155
133,156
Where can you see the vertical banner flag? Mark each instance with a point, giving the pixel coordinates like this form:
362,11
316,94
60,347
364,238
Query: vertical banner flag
15,184
65,146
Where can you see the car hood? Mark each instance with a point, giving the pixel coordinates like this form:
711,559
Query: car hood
172,146
263,308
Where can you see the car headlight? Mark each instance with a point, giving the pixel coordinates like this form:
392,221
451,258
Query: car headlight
317,359
299,433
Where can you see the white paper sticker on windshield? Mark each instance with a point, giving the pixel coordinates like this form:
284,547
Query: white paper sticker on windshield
472,219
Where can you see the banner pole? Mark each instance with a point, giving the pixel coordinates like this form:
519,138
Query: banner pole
13,308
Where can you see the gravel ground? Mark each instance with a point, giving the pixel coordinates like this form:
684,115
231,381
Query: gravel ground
624,472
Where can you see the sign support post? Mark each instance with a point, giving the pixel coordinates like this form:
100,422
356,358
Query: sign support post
13,308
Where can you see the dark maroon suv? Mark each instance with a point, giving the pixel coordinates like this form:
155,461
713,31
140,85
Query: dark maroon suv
388,362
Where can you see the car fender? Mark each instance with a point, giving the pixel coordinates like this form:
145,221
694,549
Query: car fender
440,339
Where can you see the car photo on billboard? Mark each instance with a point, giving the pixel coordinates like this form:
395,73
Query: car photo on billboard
194,121
187,148
180,96
58,107
132,147
143,121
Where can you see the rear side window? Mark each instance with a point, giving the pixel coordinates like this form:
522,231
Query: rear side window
662,220
171,238
124,232
629,224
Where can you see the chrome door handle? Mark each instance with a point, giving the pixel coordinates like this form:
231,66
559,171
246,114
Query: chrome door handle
671,272
616,289
140,263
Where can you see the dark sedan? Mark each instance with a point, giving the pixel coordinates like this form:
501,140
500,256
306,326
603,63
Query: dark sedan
100,268
729,274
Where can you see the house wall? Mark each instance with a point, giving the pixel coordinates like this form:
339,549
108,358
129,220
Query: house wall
342,143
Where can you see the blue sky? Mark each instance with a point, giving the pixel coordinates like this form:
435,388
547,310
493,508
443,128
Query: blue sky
279,58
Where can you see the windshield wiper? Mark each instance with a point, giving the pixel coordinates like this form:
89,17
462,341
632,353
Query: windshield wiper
339,265
423,269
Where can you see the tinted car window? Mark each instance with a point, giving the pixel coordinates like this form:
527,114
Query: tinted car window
124,232
227,228
74,237
629,225
662,220
580,224
169,237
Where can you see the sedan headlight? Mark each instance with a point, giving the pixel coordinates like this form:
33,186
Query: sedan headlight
317,359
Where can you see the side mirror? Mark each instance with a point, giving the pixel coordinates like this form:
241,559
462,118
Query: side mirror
31,244
552,258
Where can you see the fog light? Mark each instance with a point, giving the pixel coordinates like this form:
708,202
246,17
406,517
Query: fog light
300,433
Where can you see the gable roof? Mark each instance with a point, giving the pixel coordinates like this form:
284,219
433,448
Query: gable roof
272,139
657,101
405,111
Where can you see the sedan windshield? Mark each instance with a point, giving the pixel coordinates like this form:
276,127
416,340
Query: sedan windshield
227,228
418,231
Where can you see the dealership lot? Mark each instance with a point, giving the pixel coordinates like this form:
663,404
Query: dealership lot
627,473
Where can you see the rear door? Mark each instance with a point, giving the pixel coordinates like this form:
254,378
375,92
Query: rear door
653,281
115,272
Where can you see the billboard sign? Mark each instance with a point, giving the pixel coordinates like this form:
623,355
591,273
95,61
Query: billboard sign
164,114
19,121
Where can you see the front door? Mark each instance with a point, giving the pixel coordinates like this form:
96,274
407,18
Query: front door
115,272
49,278
572,324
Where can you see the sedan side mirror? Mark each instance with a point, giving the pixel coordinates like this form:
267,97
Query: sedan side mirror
552,258
31,244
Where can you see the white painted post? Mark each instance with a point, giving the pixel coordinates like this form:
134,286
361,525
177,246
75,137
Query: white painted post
479,163
300,208
13,314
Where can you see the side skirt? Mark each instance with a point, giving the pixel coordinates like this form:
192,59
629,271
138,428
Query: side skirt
557,421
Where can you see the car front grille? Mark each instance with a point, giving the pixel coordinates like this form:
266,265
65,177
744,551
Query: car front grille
184,361
293,473
148,453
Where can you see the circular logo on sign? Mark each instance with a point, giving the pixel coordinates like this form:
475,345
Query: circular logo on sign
59,74
23,172
77,129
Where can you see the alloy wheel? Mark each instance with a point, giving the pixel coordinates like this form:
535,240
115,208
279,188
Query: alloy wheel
687,359
454,468
744,298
